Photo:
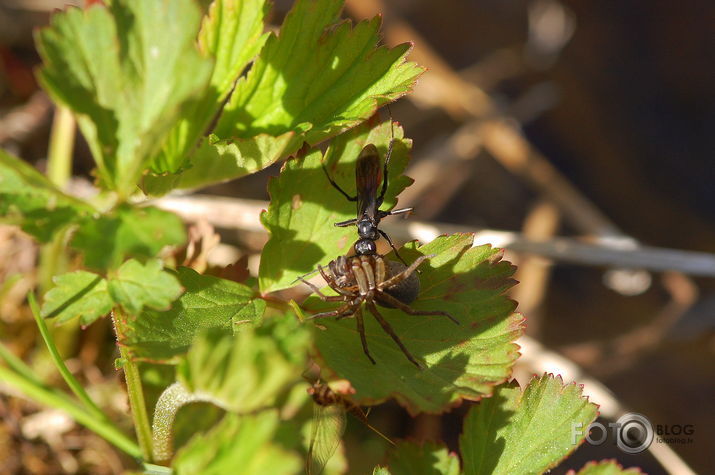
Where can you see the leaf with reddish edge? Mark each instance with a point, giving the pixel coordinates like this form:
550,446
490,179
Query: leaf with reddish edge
428,458
461,361
527,431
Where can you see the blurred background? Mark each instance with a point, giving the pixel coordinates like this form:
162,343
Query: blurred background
581,131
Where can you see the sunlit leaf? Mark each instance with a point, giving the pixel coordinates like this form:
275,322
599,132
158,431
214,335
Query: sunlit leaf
304,205
216,160
207,302
232,35
238,444
461,361
246,371
428,458
527,431
313,81
29,200
77,294
127,231
126,71
135,286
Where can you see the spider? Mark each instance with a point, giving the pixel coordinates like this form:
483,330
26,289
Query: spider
372,280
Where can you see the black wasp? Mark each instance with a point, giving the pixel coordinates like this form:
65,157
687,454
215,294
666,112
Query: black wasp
367,278
368,176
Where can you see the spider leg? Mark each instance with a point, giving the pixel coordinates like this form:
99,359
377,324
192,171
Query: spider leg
323,297
411,311
396,279
388,329
348,307
361,331
331,283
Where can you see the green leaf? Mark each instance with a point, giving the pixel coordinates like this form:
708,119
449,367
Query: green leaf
217,160
126,71
381,471
304,205
127,231
31,201
207,302
77,294
247,371
231,34
525,432
428,458
315,80
137,285
462,361
606,467
238,444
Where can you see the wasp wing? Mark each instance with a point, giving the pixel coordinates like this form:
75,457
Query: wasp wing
326,434
368,176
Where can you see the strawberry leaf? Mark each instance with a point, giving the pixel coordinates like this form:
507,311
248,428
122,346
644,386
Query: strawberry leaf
527,431
247,371
108,239
207,302
605,467
77,294
304,205
239,444
126,71
428,458
135,286
232,35
31,201
462,361
314,80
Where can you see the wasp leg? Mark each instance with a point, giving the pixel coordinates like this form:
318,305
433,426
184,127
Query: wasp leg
337,187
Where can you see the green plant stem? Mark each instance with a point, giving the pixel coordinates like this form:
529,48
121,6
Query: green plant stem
137,404
17,365
59,154
52,398
59,169
69,378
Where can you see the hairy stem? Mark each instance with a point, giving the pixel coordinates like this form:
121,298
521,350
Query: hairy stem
137,403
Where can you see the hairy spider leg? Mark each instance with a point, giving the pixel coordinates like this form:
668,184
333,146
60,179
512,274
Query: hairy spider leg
388,329
411,311
361,331
344,311
330,280
323,297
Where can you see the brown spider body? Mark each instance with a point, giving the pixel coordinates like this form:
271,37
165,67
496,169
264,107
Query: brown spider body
371,280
